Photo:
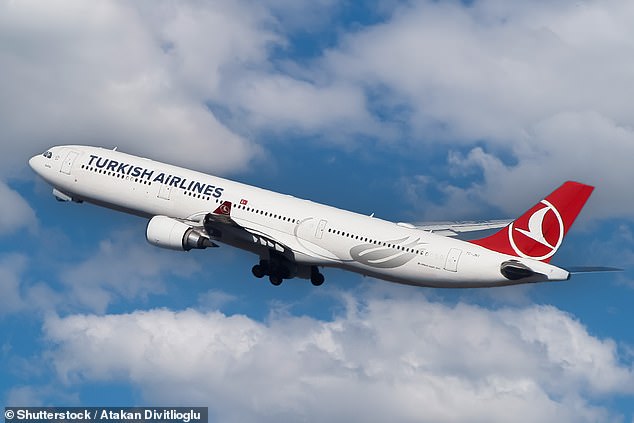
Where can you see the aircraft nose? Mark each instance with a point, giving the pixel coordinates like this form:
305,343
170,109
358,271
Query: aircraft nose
33,163
36,164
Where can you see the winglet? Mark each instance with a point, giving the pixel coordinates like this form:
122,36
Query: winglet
539,232
224,209
222,214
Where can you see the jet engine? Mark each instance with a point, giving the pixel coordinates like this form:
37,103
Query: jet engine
165,232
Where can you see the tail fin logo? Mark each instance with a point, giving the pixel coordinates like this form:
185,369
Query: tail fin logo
224,209
538,233
548,242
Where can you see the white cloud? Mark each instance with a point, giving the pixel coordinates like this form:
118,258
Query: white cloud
11,270
16,212
402,359
23,396
215,299
123,266
18,292
32,396
143,76
303,15
492,69
282,103
548,82
132,75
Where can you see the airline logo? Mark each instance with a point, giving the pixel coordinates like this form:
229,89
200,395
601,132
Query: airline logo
539,235
154,176
394,254
224,209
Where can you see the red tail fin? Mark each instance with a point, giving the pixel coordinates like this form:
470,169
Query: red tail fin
538,233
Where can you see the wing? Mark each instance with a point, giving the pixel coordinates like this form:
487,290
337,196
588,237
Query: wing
461,229
221,220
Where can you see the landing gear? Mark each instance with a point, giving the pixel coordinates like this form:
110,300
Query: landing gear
316,278
259,271
277,273
274,271
276,280
278,270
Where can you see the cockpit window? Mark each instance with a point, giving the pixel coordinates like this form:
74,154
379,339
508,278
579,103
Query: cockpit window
48,154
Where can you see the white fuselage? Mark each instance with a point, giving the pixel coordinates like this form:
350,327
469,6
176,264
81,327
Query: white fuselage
317,235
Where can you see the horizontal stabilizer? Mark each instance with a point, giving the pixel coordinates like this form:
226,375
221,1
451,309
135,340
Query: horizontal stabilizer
592,269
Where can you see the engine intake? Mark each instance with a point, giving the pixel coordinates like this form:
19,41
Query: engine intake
165,232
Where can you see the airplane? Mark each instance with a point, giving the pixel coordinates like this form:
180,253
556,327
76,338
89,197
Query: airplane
293,237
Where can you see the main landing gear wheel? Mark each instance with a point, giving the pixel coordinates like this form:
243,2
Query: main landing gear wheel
258,271
276,280
316,278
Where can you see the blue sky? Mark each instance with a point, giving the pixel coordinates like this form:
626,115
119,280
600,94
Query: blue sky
417,110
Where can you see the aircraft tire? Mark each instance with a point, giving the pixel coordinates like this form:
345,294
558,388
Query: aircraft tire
317,279
258,271
276,280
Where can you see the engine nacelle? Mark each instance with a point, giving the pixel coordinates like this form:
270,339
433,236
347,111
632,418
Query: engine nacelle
165,232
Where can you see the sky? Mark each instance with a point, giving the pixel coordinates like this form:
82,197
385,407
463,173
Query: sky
413,110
